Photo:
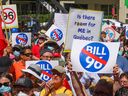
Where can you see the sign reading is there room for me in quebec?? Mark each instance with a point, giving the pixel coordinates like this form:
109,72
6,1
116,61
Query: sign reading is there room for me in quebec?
83,25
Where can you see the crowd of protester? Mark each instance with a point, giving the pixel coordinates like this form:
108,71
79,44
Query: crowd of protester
17,80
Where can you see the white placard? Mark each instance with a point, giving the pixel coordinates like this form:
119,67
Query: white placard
111,34
21,38
96,57
61,21
83,25
9,16
46,66
56,34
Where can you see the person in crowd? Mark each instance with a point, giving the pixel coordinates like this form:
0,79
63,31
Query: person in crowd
46,54
123,79
35,39
103,37
125,51
108,22
15,70
104,87
5,64
16,52
121,29
34,72
122,40
8,51
55,86
23,87
39,46
6,84
51,45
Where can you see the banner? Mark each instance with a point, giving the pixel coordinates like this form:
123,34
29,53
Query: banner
46,67
83,25
92,56
21,38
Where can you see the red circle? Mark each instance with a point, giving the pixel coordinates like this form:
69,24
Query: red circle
109,33
7,15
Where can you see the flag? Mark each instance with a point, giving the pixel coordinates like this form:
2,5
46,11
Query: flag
3,43
126,3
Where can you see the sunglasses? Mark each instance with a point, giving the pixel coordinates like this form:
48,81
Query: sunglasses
5,84
28,54
16,49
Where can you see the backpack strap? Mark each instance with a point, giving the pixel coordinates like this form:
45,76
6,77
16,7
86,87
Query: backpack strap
65,90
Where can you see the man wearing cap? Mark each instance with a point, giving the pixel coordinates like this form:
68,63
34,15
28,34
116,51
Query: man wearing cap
36,48
55,86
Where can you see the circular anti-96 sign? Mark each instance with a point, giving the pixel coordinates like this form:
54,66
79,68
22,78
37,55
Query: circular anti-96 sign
94,57
22,39
56,34
9,15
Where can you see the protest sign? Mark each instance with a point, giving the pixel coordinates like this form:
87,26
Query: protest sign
46,67
21,38
98,57
61,21
9,16
83,25
111,34
56,34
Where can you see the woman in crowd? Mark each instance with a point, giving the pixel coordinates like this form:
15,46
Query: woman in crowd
6,84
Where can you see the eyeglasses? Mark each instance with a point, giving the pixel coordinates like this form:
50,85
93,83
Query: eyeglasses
28,54
124,82
5,84
16,49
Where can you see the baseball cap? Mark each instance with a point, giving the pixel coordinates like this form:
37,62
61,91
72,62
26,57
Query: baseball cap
59,70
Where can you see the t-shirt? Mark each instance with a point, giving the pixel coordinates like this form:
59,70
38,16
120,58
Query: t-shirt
60,92
122,92
16,69
36,50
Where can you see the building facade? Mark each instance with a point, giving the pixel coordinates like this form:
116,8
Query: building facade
112,8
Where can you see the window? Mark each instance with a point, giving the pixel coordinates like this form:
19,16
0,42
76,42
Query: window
107,9
127,15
